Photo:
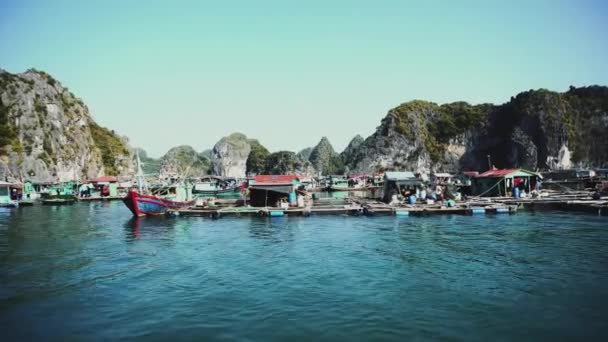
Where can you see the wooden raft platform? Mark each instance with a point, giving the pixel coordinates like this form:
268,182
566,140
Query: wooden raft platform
369,208
99,198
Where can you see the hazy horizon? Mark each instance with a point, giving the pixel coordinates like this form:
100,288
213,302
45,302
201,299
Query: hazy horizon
289,74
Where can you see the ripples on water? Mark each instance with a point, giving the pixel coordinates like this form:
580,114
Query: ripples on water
90,271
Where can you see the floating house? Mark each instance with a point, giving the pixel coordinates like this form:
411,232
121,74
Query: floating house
32,190
105,186
496,183
396,182
273,190
6,199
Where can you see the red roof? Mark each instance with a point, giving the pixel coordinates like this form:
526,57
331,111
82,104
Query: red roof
471,173
104,179
498,173
274,179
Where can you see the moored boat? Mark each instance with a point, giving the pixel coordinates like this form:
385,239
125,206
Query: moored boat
142,205
157,200
343,184
59,201
211,186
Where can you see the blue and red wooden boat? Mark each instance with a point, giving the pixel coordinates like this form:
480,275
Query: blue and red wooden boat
142,205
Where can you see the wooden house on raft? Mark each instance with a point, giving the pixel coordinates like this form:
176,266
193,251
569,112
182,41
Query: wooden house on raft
501,183
273,190
396,182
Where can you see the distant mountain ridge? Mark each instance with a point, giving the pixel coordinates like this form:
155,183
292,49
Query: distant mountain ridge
47,134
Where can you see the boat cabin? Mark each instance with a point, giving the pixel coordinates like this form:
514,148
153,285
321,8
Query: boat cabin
273,190
497,183
173,192
442,178
338,180
307,182
399,182
207,183
61,190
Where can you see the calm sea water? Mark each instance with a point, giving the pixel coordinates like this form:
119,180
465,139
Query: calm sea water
91,272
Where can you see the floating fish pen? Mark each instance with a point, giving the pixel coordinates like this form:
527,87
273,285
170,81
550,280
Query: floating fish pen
349,206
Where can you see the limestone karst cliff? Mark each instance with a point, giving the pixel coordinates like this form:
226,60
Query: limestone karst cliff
537,129
47,133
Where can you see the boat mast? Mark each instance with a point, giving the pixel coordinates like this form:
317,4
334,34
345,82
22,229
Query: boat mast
140,174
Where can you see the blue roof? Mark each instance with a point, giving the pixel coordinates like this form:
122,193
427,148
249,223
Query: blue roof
399,175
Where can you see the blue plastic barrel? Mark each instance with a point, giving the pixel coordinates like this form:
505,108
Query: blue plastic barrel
292,198
402,213
478,210
412,200
516,192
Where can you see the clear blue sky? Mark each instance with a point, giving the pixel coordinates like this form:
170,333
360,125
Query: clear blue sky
166,73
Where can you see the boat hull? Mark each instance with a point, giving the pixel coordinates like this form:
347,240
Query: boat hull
346,188
148,205
58,201
222,193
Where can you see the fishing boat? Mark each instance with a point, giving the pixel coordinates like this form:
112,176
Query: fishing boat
337,183
59,194
211,186
157,200
153,205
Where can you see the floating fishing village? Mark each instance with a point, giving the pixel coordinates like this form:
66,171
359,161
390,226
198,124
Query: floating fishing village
303,170
423,159
400,193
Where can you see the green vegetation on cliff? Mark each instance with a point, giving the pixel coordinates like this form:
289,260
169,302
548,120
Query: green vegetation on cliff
110,146
435,125
256,162
185,161
282,162
325,159
8,136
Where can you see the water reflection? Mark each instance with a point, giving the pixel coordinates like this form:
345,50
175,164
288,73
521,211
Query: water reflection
156,227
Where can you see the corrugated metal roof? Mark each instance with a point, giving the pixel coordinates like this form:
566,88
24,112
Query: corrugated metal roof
274,179
503,173
399,175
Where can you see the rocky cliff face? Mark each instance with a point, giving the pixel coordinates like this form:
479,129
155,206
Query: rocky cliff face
184,161
536,129
150,166
286,162
47,134
325,159
229,156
